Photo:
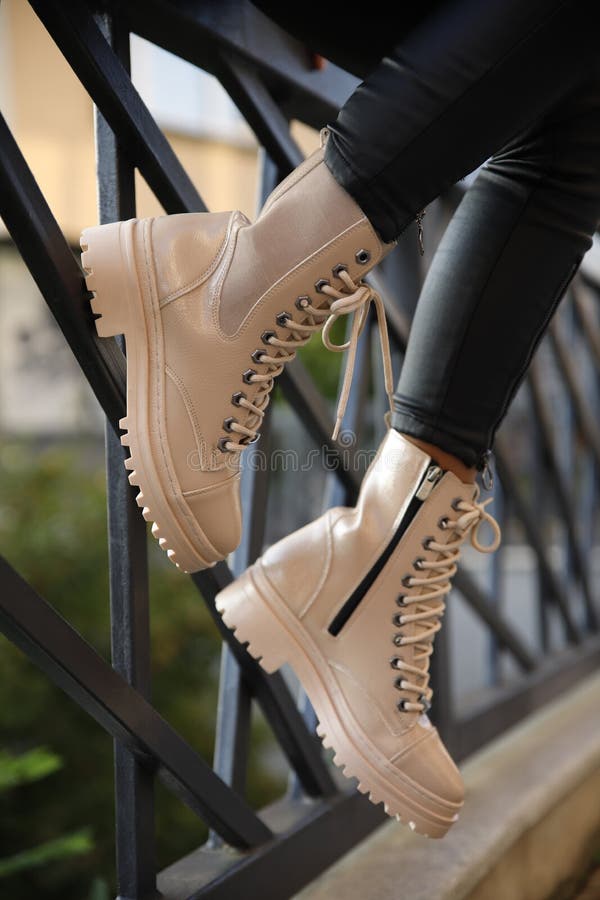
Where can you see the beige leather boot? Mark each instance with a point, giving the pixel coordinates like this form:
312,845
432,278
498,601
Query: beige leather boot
212,307
352,602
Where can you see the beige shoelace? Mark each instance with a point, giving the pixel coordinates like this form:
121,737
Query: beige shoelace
433,585
353,298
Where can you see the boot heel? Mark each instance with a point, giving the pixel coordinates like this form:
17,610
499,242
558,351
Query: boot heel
107,276
248,615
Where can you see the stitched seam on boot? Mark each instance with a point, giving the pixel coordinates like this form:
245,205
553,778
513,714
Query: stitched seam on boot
247,321
325,575
207,272
190,410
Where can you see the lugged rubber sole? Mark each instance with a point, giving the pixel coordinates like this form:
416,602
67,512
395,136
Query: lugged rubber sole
275,637
125,305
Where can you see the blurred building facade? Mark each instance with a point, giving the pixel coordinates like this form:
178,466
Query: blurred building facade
52,119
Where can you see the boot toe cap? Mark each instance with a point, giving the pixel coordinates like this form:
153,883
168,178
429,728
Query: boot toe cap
428,764
216,514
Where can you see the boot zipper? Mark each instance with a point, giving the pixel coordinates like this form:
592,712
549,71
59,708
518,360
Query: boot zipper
422,492
487,474
432,476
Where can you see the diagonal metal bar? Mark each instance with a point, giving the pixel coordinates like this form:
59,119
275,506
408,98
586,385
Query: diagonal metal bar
585,303
508,704
302,753
271,127
310,838
200,32
103,75
544,419
503,632
232,732
73,29
587,424
302,749
528,520
65,657
50,260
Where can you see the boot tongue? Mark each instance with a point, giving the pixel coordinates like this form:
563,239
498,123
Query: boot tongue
306,212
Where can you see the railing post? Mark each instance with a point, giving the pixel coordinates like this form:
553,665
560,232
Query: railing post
129,601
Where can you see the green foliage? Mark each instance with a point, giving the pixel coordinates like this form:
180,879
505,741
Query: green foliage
323,365
99,890
60,848
30,766
53,531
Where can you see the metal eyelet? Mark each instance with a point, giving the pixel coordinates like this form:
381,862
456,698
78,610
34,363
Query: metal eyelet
401,705
320,284
339,268
418,563
443,523
362,256
426,703
257,356
397,639
247,376
407,581
399,683
282,317
400,600
221,444
235,398
397,620
266,336
227,423
426,542
252,440
302,302
393,661
455,503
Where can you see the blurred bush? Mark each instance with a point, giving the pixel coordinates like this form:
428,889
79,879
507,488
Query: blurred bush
53,531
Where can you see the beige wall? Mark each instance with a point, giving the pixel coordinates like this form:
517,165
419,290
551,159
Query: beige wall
51,117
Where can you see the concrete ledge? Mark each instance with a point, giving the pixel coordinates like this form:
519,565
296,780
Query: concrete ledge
532,809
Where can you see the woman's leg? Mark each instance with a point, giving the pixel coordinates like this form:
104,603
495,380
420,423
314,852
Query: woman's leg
465,79
354,599
501,268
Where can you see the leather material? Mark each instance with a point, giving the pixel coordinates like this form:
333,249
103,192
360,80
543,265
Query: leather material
212,284
314,571
180,242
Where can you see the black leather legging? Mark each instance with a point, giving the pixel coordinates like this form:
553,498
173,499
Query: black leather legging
513,85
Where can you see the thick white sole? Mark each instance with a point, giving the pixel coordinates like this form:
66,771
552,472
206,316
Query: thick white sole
276,637
125,303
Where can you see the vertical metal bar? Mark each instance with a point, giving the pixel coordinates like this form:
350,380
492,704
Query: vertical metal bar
544,416
232,733
566,431
539,502
130,625
336,494
495,586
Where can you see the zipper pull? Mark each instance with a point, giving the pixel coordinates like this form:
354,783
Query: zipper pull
432,476
419,220
487,474
323,135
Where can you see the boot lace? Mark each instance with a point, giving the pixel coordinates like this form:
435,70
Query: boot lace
349,298
426,595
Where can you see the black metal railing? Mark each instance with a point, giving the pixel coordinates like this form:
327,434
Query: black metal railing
542,489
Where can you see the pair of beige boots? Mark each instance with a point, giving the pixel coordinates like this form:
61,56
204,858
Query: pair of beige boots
212,308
